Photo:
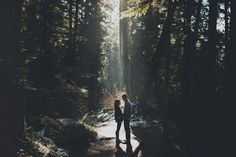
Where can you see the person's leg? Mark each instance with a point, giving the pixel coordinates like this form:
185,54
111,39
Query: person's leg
118,130
127,130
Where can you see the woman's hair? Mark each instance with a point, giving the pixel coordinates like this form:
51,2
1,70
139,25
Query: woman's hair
116,103
124,97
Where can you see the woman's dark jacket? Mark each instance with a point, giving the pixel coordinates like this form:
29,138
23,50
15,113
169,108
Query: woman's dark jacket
118,115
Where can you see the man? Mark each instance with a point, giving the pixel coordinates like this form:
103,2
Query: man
127,116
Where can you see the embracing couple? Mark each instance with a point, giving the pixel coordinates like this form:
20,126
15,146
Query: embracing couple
119,117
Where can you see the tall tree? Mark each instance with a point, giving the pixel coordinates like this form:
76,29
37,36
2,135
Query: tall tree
228,49
124,32
159,51
188,52
70,12
46,31
228,92
76,24
210,83
10,108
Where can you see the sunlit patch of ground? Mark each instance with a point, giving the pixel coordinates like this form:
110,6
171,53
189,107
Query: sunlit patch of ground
154,143
105,145
107,130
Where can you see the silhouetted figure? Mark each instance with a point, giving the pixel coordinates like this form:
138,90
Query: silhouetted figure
127,116
118,118
129,148
120,152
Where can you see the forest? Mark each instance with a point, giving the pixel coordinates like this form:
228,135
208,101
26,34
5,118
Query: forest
63,63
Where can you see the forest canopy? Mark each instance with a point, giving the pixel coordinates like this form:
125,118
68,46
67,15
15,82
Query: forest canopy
66,59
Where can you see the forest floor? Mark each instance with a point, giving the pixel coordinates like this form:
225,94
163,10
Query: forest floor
105,146
70,139
147,139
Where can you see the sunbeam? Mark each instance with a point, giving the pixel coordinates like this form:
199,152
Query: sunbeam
113,75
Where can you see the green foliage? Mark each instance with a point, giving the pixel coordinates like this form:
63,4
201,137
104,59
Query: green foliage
92,134
135,12
56,64
71,137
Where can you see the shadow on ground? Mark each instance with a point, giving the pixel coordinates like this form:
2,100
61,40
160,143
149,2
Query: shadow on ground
146,140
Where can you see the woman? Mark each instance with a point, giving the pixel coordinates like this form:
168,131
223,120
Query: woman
118,118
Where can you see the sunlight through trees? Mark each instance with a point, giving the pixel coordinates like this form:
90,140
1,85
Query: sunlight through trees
64,62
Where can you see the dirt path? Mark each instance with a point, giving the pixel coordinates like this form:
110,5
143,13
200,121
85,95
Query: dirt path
146,130
105,145
154,143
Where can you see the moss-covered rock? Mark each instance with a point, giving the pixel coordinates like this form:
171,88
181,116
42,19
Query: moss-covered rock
77,136
68,134
53,128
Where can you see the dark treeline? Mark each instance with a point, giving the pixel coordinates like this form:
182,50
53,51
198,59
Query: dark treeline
182,65
50,62
177,61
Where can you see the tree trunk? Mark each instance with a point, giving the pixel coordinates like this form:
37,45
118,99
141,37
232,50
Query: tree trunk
226,25
188,53
159,51
210,84
228,98
207,106
227,39
229,63
167,88
70,2
124,30
167,67
198,18
76,23
46,38
194,37
69,58
10,108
